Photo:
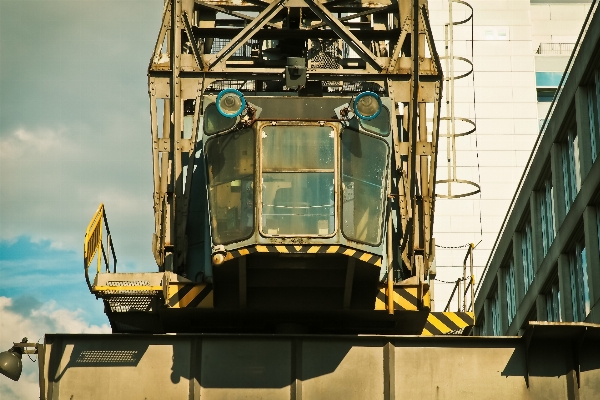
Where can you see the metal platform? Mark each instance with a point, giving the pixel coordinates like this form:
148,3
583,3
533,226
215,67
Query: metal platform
560,360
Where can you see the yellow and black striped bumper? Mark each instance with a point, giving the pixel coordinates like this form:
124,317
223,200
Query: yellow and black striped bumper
405,298
442,323
305,249
189,295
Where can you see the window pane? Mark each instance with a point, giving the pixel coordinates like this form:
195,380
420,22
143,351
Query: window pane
231,180
214,122
298,203
297,147
364,160
379,125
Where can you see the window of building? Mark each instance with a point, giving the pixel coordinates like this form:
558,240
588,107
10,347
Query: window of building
598,224
496,327
570,167
594,114
479,328
547,214
553,302
580,291
545,95
511,293
547,80
527,255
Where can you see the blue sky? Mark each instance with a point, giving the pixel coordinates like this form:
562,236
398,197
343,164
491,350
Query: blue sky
74,132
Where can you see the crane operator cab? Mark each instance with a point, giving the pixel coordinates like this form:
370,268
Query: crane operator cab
297,192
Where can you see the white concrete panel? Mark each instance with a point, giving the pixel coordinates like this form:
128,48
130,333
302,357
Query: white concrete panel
520,47
497,48
520,32
565,12
527,126
495,126
499,17
524,110
540,12
524,94
498,110
492,63
495,94
522,63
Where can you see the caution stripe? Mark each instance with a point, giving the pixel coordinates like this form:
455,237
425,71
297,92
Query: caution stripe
443,323
306,249
405,298
190,295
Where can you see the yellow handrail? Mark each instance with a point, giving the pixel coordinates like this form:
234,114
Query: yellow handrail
93,238
92,244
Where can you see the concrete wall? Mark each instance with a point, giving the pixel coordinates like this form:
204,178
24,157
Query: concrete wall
213,367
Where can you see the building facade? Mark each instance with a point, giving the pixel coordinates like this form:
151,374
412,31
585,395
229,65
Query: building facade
519,50
545,264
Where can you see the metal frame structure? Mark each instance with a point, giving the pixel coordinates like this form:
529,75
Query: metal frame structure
309,55
183,68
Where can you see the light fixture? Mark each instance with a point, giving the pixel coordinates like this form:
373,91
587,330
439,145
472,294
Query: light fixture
11,364
230,103
10,360
367,105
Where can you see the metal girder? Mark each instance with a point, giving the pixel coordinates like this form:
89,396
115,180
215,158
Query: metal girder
344,33
234,13
248,32
357,15
194,44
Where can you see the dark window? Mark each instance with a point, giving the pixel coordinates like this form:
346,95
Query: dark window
364,159
231,185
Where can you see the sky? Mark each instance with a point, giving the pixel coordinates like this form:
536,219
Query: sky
74,133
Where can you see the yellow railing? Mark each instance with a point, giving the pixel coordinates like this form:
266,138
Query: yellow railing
465,285
93,244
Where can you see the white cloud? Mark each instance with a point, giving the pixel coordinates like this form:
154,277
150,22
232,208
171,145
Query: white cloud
33,322
53,181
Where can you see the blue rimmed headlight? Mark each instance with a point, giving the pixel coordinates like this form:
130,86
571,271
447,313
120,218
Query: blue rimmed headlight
230,103
367,105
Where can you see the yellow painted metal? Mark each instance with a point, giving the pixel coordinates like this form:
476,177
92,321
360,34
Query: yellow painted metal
92,242
443,323
127,288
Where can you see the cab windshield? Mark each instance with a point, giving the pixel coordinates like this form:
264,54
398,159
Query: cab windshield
298,180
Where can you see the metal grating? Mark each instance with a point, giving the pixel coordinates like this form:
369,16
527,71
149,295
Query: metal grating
130,300
129,303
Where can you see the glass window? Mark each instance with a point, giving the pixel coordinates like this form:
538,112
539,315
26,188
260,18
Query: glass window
570,166
230,161
580,291
547,79
214,122
298,180
364,160
496,327
547,215
379,125
593,121
511,295
553,303
545,95
527,254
